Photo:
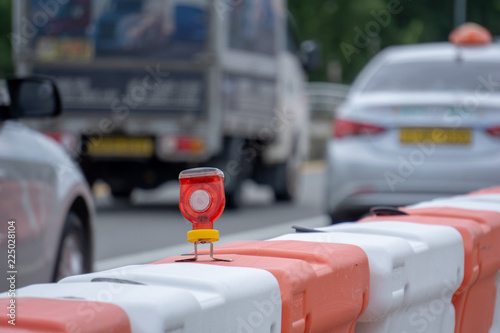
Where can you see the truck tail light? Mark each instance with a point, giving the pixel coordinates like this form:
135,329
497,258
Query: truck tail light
190,144
173,144
202,201
344,127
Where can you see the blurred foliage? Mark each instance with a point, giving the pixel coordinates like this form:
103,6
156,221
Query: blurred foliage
341,25
6,66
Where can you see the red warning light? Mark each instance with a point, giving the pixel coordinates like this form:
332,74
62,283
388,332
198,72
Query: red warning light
202,197
470,34
202,201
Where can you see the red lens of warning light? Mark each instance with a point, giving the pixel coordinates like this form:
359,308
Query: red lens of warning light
202,197
470,34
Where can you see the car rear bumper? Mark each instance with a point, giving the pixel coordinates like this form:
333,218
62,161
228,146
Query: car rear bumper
359,177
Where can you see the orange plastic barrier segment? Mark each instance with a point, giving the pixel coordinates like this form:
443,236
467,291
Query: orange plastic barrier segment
474,301
491,190
62,316
324,287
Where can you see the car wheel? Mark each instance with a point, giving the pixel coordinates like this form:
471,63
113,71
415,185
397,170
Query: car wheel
72,258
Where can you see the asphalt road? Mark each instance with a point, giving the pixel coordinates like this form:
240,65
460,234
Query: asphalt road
152,227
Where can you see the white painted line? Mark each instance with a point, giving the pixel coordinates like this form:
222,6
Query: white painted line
256,234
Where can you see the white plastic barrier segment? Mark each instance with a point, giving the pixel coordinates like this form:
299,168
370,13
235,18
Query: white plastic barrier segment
484,197
481,202
183,297
488,202
414,272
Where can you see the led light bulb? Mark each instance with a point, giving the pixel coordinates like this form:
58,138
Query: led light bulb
200,200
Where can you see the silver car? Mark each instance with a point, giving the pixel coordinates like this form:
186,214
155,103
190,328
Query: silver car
420,122
46,207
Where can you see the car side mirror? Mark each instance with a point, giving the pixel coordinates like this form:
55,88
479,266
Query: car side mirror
311,55
32,97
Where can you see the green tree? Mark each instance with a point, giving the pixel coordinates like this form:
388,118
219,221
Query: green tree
6,66
352,31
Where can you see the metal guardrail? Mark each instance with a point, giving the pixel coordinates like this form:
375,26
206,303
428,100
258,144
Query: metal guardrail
325,96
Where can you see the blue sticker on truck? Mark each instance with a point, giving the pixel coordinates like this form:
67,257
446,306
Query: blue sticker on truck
91,29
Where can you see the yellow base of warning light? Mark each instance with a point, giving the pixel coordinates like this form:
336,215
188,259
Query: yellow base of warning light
203,235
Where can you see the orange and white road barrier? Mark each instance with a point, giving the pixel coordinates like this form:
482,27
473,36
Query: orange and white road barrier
479,298
63,315
414,271
491,190
324,287
179,297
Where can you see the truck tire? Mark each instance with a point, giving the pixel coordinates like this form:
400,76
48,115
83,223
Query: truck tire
286,176
234,196
283,177
235,169
285,180
122,193
121,190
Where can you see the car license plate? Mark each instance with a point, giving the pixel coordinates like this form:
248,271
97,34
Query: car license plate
121,147
439,136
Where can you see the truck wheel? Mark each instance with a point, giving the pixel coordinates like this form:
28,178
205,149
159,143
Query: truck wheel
122,193
285,180
234,198
235,169
121,190
72,255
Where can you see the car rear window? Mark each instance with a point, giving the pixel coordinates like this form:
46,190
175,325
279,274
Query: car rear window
436,76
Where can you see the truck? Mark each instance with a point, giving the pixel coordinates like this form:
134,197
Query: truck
152,87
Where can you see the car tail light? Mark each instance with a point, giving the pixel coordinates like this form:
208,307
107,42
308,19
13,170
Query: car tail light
202,201
343,128
494,131
470,34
